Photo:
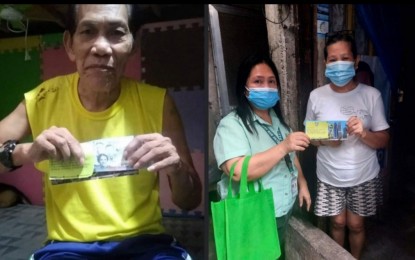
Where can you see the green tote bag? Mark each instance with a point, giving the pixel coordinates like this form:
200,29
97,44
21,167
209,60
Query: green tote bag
244,224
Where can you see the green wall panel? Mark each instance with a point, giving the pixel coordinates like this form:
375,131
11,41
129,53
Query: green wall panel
17,76
52,40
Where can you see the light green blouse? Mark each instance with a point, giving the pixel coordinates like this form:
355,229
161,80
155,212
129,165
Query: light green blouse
232,140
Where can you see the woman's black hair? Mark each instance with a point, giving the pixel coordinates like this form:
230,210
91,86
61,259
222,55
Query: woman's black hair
243,109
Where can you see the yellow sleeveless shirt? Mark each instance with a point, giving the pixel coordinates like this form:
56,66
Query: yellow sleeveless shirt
108,209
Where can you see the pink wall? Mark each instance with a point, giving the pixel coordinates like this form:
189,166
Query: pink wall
28,180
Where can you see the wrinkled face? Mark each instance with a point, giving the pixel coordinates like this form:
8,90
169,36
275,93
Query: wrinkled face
102,42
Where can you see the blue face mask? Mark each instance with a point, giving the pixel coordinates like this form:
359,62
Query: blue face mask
340,72
263,98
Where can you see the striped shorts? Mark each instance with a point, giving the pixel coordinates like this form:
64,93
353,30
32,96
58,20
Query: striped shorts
362,199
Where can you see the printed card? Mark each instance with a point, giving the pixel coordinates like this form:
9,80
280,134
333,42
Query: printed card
326,130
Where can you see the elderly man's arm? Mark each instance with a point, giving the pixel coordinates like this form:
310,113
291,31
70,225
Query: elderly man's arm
15,126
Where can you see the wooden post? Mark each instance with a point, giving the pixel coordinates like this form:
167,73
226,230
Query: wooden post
282,29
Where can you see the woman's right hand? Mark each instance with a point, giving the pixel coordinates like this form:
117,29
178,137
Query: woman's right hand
296,141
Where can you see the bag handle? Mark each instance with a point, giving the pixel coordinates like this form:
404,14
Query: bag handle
245,187
244,177
230,193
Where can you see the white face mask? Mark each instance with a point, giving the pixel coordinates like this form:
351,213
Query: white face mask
340,72
263,98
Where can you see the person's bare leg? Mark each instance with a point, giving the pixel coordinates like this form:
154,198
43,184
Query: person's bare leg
338,224
357,234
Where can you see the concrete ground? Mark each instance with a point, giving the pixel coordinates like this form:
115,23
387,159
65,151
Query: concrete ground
391,234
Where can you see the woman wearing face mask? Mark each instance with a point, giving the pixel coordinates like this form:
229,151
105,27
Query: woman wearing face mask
348,185
256,127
